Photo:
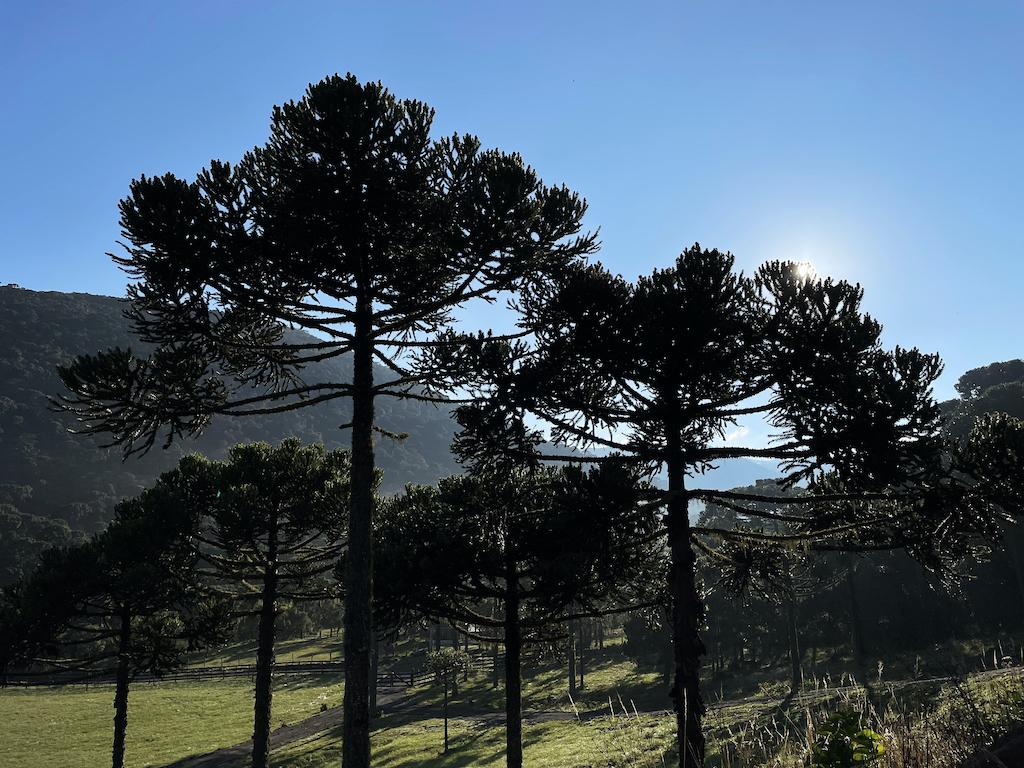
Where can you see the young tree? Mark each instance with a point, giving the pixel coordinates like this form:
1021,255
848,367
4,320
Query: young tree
533,542
658,371
268,524
446,663
352,223
124,598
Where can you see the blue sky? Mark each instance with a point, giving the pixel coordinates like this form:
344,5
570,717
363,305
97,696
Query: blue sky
880,141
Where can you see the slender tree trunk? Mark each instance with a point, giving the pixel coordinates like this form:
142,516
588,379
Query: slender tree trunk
121,690
265,656
359,562
570,649
687,614
513,683
446,673
794,645
856,626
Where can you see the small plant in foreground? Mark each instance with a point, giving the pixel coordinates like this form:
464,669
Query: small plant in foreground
842,742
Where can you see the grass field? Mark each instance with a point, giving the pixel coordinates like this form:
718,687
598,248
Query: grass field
564,744
72,727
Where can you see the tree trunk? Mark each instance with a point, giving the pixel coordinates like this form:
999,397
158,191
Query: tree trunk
687,614
121,690
446,673
856,626
359,561
794,645
265,655
513,683
570,650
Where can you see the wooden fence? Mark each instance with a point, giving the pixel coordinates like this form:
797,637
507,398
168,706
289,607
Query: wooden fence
388,679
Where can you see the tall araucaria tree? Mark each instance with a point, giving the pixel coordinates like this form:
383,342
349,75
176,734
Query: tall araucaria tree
351,223
268,526
659,370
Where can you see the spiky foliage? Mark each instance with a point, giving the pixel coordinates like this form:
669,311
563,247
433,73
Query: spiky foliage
533,542
268,526
660,369
350,222
124,602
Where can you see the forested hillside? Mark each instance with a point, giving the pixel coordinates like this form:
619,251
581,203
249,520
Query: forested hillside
54,484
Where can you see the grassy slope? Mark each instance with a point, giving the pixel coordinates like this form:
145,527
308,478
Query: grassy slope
72,727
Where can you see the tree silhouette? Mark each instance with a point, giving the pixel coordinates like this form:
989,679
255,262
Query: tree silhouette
124,602
532,542
658,371
268,525
351,223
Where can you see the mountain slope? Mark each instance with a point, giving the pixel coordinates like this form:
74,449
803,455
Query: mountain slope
46,472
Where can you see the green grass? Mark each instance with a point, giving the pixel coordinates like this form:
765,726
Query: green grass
72,727
563,744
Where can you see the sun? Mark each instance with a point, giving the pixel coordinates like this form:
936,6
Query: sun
805,270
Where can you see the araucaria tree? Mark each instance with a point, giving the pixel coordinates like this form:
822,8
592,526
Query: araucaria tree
352,223
657,371
268,525
535,542
126,601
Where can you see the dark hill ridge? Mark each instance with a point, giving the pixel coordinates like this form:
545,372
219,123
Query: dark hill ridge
47,472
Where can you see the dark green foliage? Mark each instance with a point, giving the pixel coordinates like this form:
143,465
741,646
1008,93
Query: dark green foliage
124,602
577,537
351,222
661,369
536,543
842,741
268,524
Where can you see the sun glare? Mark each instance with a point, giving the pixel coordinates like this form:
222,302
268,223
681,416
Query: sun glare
805,270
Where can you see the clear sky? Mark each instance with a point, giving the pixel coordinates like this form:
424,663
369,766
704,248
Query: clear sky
881,141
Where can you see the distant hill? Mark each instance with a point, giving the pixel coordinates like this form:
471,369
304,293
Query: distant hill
55,486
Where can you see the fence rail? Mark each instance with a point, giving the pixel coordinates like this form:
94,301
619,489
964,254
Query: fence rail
385,679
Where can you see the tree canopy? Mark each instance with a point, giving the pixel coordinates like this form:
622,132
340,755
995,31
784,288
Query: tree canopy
350,222
658,370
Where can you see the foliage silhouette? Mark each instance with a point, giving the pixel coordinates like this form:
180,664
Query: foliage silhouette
658,371
268,526
126,601
349,222
534,542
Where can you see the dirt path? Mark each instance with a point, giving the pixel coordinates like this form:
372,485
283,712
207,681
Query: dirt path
311,726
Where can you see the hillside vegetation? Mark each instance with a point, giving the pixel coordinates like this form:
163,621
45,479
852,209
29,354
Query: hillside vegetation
55,486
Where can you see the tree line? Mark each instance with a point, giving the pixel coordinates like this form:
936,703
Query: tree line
352,222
